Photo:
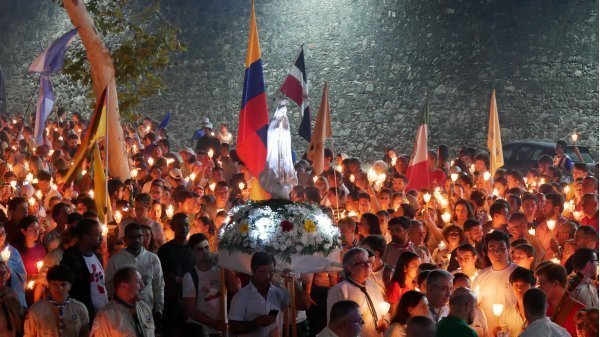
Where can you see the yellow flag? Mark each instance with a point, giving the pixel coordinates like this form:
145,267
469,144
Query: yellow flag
95,130
494,138
100,193
322,131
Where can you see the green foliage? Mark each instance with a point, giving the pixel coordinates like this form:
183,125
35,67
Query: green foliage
141,43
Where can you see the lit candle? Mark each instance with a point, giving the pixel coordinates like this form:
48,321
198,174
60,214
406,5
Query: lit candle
497,309
352,214
486,175
542,181
170,161
472,168
555,260
495,192
170,211
454,177
426,197
50,153
574,137
567,190
192,176
39,265
14,121
91,193
242,185
118,217
577,215
13,183
10,167
384,308
531,231
39,194
31,201
211,153
29,177
134,173
150,161
212,186
393,161
446,217
352,178
83,172
104,230
5,254
315,178
30,284
339,168
444,203
551,224
371,175
441,245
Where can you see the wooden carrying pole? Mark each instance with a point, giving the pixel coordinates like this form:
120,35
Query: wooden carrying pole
223,304
292,285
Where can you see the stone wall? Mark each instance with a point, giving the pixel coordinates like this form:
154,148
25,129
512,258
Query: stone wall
380,57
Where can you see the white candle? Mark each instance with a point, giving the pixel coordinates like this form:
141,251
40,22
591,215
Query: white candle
241,185
486,175
118,217
211,153
574,137
531,231
5,254
170,211
150,161
551,224
454,177
384,308
352,178
497,309
441,245
39,265
446,217
426,197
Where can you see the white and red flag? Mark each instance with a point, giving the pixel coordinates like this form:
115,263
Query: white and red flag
418,171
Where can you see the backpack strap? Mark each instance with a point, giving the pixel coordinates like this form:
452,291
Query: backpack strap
195,278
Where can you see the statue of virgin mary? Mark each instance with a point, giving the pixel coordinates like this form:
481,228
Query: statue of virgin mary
279,176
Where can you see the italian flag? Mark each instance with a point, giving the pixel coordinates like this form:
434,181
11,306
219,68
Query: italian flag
417,172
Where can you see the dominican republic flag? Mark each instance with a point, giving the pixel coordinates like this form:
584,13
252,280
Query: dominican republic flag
418,172
53,58
295,87
44,108
254,119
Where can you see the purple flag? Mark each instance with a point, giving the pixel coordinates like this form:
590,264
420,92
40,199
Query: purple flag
44,108
53,58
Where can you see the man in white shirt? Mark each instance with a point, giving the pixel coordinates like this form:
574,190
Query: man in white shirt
257,309
584,262
535,303
492,283
125,315
439,288
202,291
359,288
148,265
345,320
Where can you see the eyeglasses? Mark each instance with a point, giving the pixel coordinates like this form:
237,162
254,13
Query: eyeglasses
359,322
367,264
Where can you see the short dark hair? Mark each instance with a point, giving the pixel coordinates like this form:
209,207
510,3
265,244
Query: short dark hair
534,302
44,176
85,227
377,243
144,198
57,208
582,256
496,235
553,272
123,275
467,247
400,220
496,208
260,259
60,273
469,224
14,202
557,200
588,231
132,227
522,274
196,239
341,309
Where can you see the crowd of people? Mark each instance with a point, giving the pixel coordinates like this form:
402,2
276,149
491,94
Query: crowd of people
478,253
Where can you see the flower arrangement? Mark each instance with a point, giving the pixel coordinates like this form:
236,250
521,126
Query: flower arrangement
280,227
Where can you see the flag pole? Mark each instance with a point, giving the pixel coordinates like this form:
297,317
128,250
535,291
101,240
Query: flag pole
106,196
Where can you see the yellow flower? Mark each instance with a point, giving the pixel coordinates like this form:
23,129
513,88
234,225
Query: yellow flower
244,228
310,226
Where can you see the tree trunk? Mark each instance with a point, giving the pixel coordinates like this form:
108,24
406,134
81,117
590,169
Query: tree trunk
103,74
